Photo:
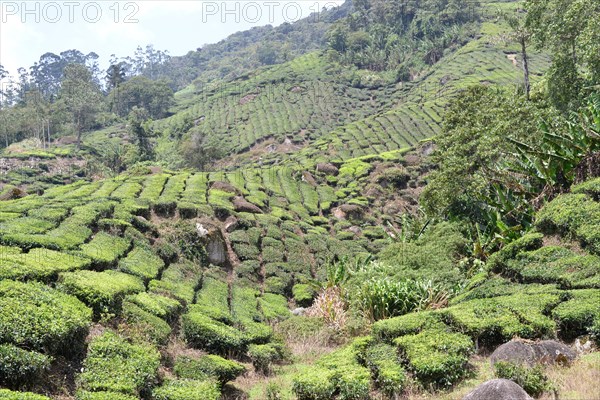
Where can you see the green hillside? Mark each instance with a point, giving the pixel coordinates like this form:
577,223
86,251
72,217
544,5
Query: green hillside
369,215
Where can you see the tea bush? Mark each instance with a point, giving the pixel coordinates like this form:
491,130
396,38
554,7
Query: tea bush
145,325
531,379
161,306
206,333
114,365
19,367
436,356
213,366
6,394
37,317
103,291
187,390
105,249
576,315
85,395
142,262
179,280
389,376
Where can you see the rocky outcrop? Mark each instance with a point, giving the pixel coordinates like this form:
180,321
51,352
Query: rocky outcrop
533,353
242,205
327,169
214,243
224,186
498,389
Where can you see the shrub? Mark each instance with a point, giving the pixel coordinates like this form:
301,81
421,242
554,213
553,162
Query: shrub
37,317
263,356
591,188
351,379
187,390
530,241
161,306
315,383
103,291
436,356
142,262
412,323
19,367
84,395
389,375
38,264
432,257
213,366
532,380
144,324
578,314
381,298
114,365
105,249
303,294
179,280
206,333
498,319
6,394
273,307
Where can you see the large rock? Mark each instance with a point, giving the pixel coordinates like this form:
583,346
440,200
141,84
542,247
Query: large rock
327,169
498,389
515,351
224,186
554,352
532,353
242,205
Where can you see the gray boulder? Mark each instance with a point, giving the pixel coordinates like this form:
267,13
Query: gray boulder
498,389
533,353
516,352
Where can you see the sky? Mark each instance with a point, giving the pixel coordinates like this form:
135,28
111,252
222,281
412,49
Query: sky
29,29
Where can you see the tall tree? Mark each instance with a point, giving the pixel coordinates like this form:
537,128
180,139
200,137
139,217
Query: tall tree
522,35
139,128
569,30
81,96
115,75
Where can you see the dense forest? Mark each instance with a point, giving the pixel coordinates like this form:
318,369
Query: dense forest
397,199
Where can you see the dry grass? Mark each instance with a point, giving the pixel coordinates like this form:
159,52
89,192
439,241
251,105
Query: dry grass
579,382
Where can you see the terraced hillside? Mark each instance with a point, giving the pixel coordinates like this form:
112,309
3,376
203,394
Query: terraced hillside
545,285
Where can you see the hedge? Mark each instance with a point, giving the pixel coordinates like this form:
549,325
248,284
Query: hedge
103,291
576,316
114,365
389,376
314,383
187,390
212,366
145,325
38,264
85,395
37,317
105,249
498,319
6,394
435,356
19,367
205,333
179,280
142,262
164,307
389,329
273,307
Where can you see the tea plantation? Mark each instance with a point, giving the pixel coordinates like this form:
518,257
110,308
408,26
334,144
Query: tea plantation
272,242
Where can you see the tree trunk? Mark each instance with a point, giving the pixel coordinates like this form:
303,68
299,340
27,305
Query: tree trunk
78,127
525,66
